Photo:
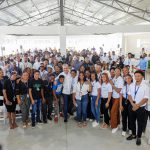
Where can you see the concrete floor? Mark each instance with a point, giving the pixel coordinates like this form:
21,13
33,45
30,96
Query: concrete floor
68,136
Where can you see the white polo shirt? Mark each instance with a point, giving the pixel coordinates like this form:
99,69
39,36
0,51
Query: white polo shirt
105,89
81,90
95,86
139,92
118,83
125,90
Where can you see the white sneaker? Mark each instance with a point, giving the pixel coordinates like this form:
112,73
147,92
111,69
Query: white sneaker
114,130
123,133
149,141
95,124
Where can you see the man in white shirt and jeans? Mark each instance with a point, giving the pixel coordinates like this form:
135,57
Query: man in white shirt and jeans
138,97
66,89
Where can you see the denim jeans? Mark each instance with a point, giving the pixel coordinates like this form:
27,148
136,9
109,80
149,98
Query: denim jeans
66,100
82,108
36,111
95,109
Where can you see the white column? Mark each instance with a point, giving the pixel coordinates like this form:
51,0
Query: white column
63,40
123,44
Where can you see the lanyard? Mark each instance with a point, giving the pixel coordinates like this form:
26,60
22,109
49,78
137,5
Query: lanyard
13,85
126,92
81,85
135,92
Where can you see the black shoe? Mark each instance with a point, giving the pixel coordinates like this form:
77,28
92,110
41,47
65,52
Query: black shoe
131,137
40,122
138,141
45,121
33,125
65,120
49,118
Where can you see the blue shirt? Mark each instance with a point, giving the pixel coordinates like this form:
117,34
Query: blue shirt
143,64
57,87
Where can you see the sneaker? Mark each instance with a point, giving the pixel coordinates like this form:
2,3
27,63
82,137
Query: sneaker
138,141
91,120
65,120
39,122
45,121
95,124
131,137
123,133
56,119
33,126
114,130
49,118
149,141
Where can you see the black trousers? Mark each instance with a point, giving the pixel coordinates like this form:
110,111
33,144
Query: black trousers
126,123
137,116
47,107
105,110
147,114
89,112
70,105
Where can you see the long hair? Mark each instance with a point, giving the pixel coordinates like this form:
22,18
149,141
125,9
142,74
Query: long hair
84,79
107,78
96,77
128,75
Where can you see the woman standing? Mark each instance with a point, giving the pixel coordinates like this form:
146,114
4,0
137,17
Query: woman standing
22,92
106,93
124,105
80,99
95,99
117,85
10,99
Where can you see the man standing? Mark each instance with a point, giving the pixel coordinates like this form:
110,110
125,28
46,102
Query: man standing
138,97
37,97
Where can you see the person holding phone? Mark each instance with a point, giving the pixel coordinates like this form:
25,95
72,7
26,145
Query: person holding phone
10,99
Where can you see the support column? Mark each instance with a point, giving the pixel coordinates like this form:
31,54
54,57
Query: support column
123,44
63,40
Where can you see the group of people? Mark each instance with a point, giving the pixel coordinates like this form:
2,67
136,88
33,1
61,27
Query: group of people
86,85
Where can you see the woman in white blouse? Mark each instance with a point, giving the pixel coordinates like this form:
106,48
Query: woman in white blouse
80,99
106,93
95,99
125,104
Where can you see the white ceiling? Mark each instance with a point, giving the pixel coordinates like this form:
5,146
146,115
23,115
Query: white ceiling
77,12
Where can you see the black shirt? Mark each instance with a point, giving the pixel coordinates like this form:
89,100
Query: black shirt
22,88
10,86
2,85
48,88
36,86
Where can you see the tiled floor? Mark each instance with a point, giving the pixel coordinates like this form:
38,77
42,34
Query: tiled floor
65,137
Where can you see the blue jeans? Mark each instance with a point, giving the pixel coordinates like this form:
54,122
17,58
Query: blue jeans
36,110
82,108
66,100
95,109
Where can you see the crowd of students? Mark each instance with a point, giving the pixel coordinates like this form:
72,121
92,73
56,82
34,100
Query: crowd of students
86,85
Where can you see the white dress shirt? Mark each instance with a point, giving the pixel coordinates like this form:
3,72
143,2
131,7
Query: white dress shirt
139,92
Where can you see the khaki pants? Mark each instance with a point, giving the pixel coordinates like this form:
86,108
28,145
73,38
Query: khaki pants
115,115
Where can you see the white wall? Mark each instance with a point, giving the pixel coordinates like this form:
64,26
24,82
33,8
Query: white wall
136,41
